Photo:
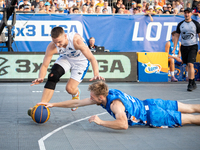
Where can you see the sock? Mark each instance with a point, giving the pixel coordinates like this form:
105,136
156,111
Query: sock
186,74
193,81
190,81
75,94
172,73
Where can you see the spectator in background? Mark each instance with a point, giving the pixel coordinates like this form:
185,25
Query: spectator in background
161,3
100,4
72,4
165,8
159,11
92,45
90,10
78,5
178,5
147,8
41,6
166,12
173,5
175,12
151,11
117,6
84,9
98,10
27,8
87,3
120,11
194,4
47,7
173,58
188,5
61,10
107,7
135,11
63,4
156,6
75,10
196,11
181,11
25,3
124,9
71,10
35,4
169,7
55,3
92,5
139,7
105,11
133,5
2,4
53,9
144,5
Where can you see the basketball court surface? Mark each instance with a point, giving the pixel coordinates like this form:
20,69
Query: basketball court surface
67,130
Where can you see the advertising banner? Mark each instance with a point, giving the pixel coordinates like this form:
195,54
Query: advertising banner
152,67
117,33
25,66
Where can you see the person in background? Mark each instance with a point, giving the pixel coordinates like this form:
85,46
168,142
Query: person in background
92,6
169,7
98,10
173,58
175,11
139,7
125,11
196,11
100,4
84,9
144,5
156,6
194,4
105,11
90,10
47,7
178,5
133,5
107,7
92,45
189,29
188,5
117,6
75,10
35,4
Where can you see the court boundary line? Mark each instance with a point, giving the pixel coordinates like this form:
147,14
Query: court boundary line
41,141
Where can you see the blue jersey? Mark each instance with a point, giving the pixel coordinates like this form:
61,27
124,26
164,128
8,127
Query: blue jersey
134,108
172,47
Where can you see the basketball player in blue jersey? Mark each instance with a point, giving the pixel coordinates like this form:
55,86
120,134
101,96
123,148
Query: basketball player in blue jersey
128,110
173,58
74,55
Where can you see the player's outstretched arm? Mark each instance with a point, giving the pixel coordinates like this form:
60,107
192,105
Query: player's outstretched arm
50,51
69,104
121,122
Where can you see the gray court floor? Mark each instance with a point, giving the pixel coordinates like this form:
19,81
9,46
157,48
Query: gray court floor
67,130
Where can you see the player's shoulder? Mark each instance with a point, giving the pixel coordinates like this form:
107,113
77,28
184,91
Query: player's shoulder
51,48
181,22
196,22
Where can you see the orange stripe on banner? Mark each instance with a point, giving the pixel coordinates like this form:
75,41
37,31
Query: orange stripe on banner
41,114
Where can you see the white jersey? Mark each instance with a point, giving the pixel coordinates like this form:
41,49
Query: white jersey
73,60
70,52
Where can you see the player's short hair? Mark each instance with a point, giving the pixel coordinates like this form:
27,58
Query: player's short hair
173,33
99,88
56,32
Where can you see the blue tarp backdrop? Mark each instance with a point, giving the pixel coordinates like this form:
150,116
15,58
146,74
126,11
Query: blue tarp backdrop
118,33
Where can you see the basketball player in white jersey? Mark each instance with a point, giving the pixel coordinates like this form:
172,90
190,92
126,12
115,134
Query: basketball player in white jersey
74,55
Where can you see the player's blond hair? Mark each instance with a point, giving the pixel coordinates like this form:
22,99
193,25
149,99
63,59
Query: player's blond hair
99,88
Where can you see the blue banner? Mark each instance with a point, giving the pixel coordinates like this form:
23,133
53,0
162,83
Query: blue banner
117,33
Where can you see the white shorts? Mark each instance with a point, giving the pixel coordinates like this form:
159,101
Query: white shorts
78,67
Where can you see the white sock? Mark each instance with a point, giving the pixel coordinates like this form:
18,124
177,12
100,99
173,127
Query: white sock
172,73
186,74
75,95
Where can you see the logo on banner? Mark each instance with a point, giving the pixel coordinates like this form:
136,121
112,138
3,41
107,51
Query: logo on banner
152,68
3,69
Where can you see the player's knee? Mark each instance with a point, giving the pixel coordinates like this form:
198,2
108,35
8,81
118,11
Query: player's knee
70,89
53,78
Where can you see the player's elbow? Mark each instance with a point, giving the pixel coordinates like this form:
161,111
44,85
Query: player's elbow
124,126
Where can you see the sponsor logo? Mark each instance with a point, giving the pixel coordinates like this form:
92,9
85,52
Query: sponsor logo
152,68
3,68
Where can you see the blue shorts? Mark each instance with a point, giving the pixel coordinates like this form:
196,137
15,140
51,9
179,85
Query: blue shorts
162,113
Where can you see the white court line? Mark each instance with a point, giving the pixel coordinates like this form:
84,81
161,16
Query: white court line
41,141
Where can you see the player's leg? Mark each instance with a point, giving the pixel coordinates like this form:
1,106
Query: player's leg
190,62
54,76
188,108
72,86
172,69
190,119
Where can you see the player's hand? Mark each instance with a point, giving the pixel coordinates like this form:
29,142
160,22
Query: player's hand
45,104
173,52
37,81
95,119
199,51
178,59
97,78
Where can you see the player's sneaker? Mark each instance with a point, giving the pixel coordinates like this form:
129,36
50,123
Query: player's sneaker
77,96
173,79
190,87
29,111
194,85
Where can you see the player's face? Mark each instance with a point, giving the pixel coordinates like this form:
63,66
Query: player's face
60,41
95,98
